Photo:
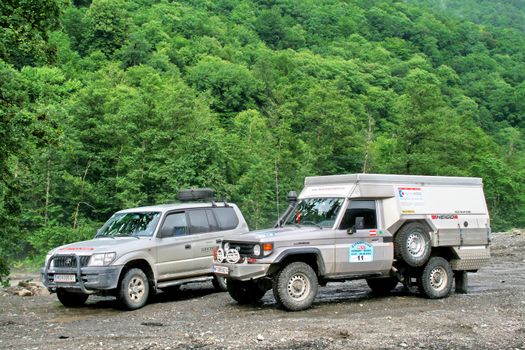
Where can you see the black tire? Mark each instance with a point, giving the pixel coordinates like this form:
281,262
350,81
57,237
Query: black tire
412,244
133,290
295,286
461,282
436,279
220,284
245,292
382,286
69,299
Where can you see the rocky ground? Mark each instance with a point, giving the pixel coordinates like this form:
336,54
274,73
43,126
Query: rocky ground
344,316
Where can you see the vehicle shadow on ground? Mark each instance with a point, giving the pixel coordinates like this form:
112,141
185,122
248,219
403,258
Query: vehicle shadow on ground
331,296
185,293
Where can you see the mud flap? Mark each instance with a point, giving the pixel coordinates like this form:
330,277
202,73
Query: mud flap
461,282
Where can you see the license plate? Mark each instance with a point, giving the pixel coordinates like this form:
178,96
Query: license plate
220,269
65,278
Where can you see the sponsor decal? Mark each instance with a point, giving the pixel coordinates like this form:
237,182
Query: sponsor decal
375,232
77,248
410,197
408,211
445,217
361,251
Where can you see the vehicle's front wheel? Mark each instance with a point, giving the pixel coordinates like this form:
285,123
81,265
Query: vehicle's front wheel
295,286
133,290
70,299
382,286
435,281
220,284
412,244
245,292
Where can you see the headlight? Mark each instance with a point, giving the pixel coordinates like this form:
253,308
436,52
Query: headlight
256,250
226,247
102,259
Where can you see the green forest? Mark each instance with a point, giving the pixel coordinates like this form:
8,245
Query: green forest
109,104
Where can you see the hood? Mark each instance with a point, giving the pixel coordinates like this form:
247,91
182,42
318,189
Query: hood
100,245
275,234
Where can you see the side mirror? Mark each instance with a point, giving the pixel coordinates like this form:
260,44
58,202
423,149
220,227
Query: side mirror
292,197
359,225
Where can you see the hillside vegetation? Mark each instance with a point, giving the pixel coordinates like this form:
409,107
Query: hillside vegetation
108,104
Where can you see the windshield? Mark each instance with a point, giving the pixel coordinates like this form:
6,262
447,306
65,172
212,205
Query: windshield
130,224
315,211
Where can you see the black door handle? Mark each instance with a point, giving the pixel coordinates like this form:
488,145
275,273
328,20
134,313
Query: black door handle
187,246
218,240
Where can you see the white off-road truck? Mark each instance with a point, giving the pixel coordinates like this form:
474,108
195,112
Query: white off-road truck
422,231
142,250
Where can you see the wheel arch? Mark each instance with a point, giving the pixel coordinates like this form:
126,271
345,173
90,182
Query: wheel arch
142,264
310,256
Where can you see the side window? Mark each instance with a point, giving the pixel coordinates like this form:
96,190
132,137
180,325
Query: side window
198,221
364,209
226,218
174,225
214,226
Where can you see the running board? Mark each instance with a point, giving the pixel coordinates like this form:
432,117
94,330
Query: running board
183,281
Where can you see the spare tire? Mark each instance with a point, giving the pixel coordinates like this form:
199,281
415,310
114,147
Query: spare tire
196,194
412,244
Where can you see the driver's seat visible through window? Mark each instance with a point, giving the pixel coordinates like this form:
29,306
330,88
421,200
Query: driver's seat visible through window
360,208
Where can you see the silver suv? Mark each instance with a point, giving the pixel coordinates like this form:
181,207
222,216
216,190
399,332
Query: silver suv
141,250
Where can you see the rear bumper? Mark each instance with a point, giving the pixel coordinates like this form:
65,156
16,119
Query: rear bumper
89,280
241,272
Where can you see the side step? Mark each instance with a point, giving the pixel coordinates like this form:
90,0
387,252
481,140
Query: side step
180,282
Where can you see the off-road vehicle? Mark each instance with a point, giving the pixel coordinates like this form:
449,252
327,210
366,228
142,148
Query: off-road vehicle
141,250
419,230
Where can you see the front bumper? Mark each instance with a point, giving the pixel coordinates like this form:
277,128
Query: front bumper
88,280
241,272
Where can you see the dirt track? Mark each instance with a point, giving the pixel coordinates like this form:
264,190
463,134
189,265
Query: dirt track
344,316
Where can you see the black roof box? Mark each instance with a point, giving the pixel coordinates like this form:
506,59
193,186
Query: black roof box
196,194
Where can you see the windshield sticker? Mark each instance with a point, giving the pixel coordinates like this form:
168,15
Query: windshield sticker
361,252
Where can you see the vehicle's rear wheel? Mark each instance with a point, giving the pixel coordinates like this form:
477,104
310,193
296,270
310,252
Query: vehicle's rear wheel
295,286
436,278
133,290
412,244
70,299
382,286
220,284
245,292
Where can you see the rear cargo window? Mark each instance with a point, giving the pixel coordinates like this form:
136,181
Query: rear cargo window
364,209
226,217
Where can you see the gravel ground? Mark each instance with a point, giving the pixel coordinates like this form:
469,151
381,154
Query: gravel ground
344,315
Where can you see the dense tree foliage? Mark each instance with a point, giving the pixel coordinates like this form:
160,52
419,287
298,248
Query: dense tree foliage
129,101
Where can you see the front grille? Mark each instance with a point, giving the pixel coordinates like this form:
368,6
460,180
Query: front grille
70,260
245,249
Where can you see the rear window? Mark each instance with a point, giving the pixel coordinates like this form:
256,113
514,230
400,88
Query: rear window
226,218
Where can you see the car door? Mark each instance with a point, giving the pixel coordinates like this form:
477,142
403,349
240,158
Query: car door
174,247
204,228
361,244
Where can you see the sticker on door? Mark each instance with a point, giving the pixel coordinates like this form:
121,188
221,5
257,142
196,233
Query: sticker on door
361,252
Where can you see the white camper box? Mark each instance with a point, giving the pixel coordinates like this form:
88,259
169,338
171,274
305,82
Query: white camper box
453,208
